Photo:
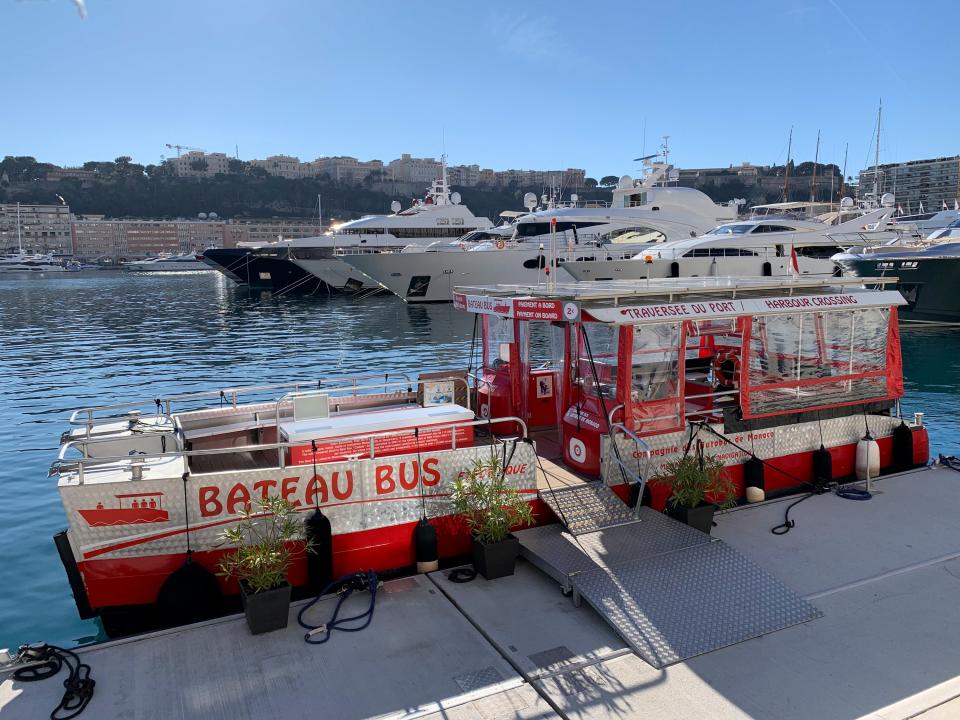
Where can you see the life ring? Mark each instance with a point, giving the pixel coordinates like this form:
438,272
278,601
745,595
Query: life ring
726,369
500,244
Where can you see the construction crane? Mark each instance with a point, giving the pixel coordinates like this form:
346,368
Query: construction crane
178,148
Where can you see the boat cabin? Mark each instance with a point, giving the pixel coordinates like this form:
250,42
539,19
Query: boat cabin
755,366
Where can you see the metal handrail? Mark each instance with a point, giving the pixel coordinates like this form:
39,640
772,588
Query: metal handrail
640,479
290,396
234,393
79,464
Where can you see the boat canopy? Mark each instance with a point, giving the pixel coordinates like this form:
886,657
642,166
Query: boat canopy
671,350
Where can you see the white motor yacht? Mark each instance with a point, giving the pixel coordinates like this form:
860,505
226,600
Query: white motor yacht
746,247
640,213
25,263
168,263
438,217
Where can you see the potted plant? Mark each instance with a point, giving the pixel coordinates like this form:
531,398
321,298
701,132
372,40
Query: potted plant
261,561
491,508
698,485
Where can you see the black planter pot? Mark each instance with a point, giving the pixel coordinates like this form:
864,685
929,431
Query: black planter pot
266,611
494,560
700,517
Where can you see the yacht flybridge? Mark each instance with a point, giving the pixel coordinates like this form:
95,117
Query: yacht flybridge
640,214
762,371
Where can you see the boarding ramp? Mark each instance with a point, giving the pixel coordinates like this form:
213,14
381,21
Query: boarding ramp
670,591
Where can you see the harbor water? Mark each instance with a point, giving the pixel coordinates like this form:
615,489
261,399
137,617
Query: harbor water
79,339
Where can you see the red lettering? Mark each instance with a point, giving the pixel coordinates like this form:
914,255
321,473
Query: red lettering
264,487
316,487
384,479
403,476
209,504
431,476
335,484
288,488
239,495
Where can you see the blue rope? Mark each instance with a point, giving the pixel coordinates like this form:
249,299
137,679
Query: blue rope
350,583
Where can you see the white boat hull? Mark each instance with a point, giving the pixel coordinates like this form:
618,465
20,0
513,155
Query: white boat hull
429,277
336,273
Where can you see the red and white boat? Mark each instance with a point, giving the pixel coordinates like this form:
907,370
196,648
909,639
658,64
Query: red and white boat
610,380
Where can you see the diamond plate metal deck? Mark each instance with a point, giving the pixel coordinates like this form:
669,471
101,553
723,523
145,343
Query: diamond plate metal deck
673,606
587,507
562,555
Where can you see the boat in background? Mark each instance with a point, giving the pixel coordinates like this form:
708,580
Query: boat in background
24,263
640,214
927,274
746,247
168,263
439,218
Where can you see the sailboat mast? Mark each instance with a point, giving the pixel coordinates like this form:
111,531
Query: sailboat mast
843,178
319,213
19,240
876,157
786,176
813,182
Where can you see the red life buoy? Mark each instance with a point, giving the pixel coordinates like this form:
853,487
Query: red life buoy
501,244
726,369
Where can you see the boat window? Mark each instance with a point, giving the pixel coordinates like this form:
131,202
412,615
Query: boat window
602,342
823,252
418,286
635,234
809,360
719,252
655,377
773,228
499,338
532,229
733,229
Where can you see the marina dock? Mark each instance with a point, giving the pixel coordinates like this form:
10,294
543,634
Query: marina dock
884,573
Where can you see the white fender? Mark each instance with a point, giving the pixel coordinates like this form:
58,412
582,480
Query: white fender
868,458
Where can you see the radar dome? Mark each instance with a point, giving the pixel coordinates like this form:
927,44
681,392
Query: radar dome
202,216
846,203
395,206
574,198
212,216
455,198
529,201
625,182
887,200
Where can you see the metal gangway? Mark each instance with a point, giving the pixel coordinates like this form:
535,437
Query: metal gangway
670,591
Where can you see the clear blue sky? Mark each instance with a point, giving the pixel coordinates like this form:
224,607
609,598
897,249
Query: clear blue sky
503,84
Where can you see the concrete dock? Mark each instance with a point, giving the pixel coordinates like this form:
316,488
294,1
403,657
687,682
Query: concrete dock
885,573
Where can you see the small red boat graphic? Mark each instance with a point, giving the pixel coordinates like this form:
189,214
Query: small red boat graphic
140,508
501,308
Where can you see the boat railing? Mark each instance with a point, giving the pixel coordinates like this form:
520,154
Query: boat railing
89,415
638,476
82,464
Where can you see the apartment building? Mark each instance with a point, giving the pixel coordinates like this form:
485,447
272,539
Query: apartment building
933,182
346,169
286,166
415,170
197,163
43,229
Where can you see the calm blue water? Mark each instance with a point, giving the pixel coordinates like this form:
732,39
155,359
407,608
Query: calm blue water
97,338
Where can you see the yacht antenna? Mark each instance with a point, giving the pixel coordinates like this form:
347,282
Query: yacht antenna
19,240
319,213
813,182
786,175
666,149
